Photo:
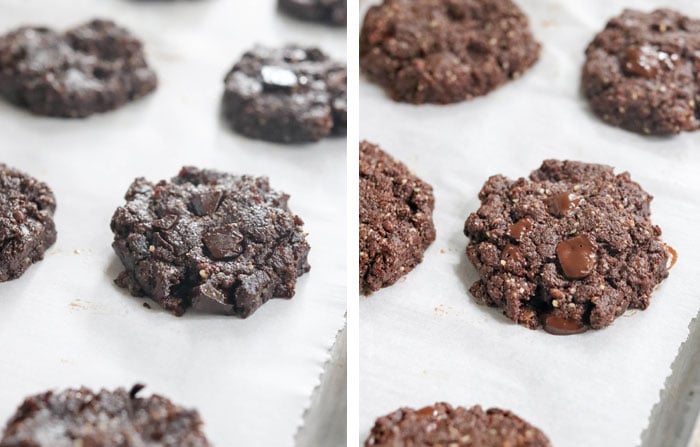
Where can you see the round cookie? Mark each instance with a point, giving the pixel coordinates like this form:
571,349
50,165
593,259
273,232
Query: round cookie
331,12
642,72
445,51
443,425
27,228
80,417
210,241
568,248
286,95
89,69
396,219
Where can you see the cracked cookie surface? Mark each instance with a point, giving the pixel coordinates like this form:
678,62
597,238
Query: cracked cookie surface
27,228
210,241
570,247
642,72
396,219
444,51
287,95
92,68
81,417
444,425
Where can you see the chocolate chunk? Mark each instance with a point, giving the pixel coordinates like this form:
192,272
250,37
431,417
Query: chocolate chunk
93,68
224,241
556,325
444,425
206,202
562,204
641,72
27,228
438,51
520,228
287,95
232,245
546,264
396,219
81,417
577,257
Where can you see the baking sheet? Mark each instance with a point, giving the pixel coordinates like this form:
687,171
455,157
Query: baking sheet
425,339
65,324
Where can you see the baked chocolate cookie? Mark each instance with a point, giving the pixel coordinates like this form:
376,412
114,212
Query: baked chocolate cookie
443,425
444,51
396,219
568,248
92,68
81,417
286,95
642,72
331,12
27,229
210,241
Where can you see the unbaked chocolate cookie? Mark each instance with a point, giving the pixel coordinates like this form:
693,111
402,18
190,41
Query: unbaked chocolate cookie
642,72
444,51
92,68
210,241
287,95
568,248
443,425
331,12
81,417
27,229
396,219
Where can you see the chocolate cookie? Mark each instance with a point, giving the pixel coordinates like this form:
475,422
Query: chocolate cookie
286,95
80,417
396,219
642,72
331,12
571,247
93,68
443,425
26,222
209,241
444,51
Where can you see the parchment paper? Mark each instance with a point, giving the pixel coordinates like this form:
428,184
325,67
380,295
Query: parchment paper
425,339
64,324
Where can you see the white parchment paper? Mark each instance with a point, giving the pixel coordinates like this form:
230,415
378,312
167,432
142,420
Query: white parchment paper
64,324
425,339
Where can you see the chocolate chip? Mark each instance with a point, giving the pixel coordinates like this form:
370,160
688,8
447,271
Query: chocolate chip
562,204
642,62
520,228
206,203
577,257
166,222
224,241
556,325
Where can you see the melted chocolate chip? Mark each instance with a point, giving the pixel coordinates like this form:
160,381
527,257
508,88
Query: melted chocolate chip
426,411
224,241
513,253
562,326
206,203
577,257
277,78
520,228
642,61
562,204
